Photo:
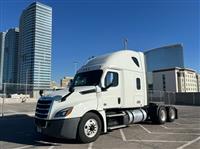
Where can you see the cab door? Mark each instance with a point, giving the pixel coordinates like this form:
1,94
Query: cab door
111,89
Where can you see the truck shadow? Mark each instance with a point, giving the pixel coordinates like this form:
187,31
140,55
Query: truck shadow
20,129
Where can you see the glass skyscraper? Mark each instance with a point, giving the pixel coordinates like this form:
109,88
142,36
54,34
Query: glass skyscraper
2,44
35,46
161,58
10,56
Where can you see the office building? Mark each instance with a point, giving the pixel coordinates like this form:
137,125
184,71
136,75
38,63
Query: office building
198,78
161,58
2,43
65,81
35,46
10,56
53,85
176,80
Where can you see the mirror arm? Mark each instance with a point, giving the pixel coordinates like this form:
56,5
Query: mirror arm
107,87
103,89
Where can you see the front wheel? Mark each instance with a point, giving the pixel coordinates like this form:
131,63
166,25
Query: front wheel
89,128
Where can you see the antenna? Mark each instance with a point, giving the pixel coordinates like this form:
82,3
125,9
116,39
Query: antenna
125,44
75,66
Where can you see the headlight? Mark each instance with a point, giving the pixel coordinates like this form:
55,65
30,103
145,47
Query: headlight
64,112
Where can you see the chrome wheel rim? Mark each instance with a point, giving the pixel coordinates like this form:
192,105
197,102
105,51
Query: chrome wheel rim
91,128
163,115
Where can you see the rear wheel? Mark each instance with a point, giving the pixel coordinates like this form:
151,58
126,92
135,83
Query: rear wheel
162,115
171,114
89,128
157,113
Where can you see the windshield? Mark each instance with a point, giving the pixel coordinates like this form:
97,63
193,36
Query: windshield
89,78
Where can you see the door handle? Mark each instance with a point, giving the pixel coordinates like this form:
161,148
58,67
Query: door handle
119,100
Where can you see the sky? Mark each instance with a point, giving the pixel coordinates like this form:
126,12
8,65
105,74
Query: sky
85,28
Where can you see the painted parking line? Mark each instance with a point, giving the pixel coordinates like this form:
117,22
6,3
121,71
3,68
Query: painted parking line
51,147
90,145
176,133
196,120
122,135
168,133
29,146
189,117
23,147
141,140
164,126
45,142
148,131
189,143
157,141
187,123
178,128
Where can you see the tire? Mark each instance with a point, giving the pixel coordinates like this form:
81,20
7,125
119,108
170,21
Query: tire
89,128
171,114
162,115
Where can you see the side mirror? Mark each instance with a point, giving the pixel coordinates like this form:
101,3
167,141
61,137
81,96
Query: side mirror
70,82
107,87
41,92
71,89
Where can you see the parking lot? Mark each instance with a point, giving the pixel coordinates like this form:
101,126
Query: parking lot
17,132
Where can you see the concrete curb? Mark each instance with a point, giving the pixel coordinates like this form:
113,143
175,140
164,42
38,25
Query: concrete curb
10,100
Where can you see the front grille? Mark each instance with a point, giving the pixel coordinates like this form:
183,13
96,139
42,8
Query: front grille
42,108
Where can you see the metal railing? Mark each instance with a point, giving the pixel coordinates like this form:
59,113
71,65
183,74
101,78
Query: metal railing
13,94
162,97
173,98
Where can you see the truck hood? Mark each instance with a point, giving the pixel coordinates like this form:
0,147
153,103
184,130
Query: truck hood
64,92
81,99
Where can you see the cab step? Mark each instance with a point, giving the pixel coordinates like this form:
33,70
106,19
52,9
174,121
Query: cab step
116,127
115,115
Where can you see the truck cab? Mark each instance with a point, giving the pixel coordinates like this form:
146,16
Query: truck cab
107,93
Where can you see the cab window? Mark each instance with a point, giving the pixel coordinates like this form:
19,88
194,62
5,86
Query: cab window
111,77
138,83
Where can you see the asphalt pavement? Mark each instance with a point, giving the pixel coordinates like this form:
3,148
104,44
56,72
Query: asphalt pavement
17,131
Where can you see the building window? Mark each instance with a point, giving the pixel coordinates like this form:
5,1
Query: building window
164,83
138,83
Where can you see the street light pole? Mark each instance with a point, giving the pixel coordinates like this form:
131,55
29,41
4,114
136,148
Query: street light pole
26,82
4,96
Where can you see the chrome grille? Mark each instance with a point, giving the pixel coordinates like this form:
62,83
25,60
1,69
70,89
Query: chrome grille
42,108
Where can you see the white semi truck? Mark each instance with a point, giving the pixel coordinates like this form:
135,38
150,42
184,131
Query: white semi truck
108,92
